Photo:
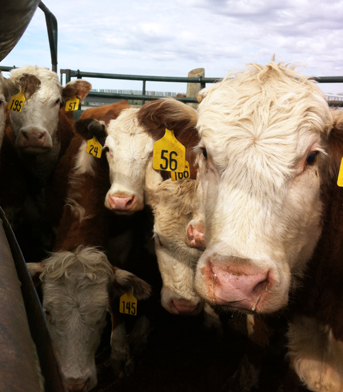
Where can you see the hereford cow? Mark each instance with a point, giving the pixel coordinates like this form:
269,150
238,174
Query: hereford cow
34,142
269,159
77,290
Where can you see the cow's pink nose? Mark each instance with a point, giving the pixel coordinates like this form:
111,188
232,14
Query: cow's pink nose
76,384
237,285
184,307
31,137
121,203
196,235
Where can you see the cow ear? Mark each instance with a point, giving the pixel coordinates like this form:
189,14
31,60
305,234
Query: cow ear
35,270
88,128
123,281
79,88
27,82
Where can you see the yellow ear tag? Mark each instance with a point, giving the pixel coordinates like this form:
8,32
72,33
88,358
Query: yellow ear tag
169,154
340,175
17,102
128,304
178,176
72,104
94,147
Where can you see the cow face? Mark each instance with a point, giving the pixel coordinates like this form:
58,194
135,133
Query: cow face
76,288
35,127
174,204
262,151
129,149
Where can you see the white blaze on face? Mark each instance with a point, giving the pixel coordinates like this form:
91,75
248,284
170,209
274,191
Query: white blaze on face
35,126
129,150
261,186
174,204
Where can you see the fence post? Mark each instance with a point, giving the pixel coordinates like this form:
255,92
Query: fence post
194,88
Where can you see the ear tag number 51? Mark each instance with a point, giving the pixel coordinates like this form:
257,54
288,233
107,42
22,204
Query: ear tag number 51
17,102
128,304
178,176
94,147
72,104
169,154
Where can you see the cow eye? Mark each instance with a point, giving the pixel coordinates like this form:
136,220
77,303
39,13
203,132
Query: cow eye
57,101
311,158
204,152
48,316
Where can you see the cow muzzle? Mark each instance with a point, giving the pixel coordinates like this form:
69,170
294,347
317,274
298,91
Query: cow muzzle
34,141
77,384
196,235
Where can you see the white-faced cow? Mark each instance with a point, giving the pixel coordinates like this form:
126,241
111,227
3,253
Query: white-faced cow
269,159
78,289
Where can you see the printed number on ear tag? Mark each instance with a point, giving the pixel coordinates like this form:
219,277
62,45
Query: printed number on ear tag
178,176
94,147
17,102
169,154
128,304
340,175
72,104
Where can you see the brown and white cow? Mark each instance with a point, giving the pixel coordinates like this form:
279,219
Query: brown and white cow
269,158
34,142
78,288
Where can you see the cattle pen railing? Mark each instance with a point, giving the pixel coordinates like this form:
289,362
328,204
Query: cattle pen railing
69,74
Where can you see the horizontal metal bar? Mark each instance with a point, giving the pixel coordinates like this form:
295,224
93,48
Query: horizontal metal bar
174,79
6,69
135,96
328,79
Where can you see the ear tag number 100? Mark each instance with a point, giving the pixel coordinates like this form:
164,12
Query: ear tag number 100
178,176
17,102
72,104
169,154
128,304
94,147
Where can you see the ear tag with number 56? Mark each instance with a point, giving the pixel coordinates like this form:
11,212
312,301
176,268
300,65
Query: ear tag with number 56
17,102
94,147
128,304
340,175
72,104
178,176
169,154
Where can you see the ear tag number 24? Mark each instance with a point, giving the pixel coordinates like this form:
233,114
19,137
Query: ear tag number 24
17,102
72,104
169,154
128,304
94,147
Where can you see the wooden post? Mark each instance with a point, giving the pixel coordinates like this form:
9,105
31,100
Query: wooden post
194,88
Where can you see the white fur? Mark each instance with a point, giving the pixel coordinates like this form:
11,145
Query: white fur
129,150
259,202
316,355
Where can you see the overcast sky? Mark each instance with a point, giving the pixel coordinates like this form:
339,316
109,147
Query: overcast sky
169,38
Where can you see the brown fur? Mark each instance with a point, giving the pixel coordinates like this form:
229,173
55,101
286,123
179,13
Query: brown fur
100,112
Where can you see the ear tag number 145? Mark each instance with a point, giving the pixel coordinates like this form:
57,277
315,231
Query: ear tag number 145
94,147
17,102
72,104
128,304
169,154
178,176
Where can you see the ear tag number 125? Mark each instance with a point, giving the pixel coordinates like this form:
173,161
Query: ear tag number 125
340,175
128,304
17,102
72,104
94,147
169,154
178,176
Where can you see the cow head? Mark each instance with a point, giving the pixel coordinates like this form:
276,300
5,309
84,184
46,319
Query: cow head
8,88
262,154
129,144
76,288
174,204
35,127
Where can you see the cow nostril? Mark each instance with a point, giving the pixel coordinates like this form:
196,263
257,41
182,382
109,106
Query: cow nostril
130,202
25,135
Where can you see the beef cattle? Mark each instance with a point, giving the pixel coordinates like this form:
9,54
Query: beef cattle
34,142
78,287
269,158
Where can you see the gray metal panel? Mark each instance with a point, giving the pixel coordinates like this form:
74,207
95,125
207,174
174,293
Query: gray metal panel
15,16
